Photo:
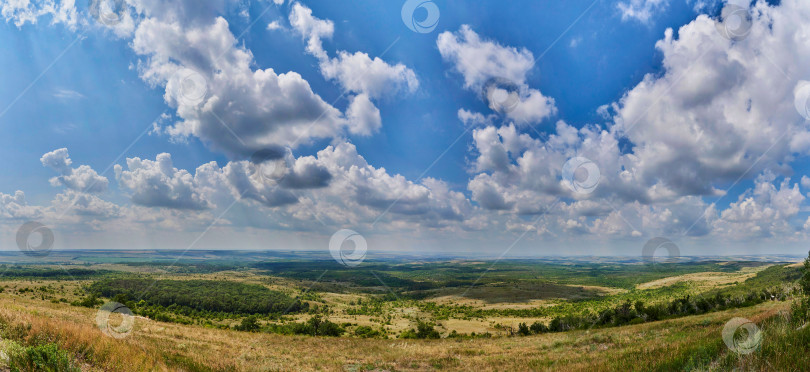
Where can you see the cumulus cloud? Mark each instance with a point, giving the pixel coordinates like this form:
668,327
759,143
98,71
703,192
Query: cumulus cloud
21,12
479,60
15,207
762,212
84,205
364,116
359,73
482,61
82,178
721,110
335,185
641,10
474,119
705,121
272,26
355,72
360,192
718,111
237,110
312,29
521,174
158,184
366,191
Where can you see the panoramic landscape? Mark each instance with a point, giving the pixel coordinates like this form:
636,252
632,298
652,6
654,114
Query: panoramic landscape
410,185
240,310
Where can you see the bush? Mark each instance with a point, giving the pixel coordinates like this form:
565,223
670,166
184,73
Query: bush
249,324
316,326
538,327
46,357
90,301
523,329
366,332
423,331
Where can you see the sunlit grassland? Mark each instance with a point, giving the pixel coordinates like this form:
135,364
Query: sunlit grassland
42,306
674,344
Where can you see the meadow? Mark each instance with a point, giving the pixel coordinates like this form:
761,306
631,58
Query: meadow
216,312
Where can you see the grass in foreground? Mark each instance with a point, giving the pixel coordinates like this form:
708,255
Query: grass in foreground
692,342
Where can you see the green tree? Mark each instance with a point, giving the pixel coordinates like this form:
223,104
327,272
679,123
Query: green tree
249,324
523,329
424,330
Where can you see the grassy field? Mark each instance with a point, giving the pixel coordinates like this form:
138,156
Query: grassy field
265,315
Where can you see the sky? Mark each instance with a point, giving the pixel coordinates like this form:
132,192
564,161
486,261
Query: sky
485,128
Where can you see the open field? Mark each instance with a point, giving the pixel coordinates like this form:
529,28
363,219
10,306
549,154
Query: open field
174,346
391,315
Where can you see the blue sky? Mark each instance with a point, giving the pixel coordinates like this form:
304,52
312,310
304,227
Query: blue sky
637,94
595,72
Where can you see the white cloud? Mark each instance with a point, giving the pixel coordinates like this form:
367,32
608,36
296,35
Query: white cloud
359,73
272,26
764,211
474,119
365,192
82,179
641,10
805,181
313,29
336,186
481,61
67,94
363,115
355,72
84,205
21,12
15,207
720,110
672,140
158,184
261,107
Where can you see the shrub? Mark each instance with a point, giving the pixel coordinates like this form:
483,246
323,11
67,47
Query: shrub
538,327
90,301
366,332
423,331
249,324
523,329
46,357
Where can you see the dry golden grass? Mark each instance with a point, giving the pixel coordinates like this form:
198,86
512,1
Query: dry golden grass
706,280
507,295
165,346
